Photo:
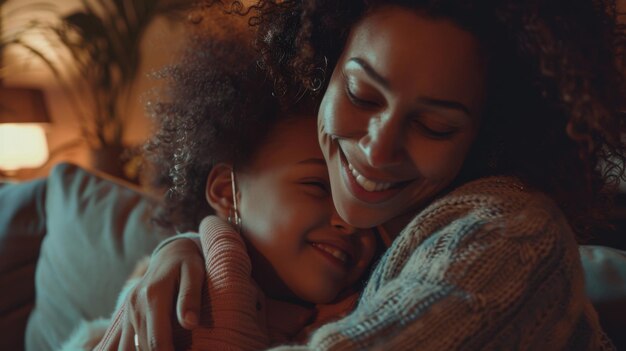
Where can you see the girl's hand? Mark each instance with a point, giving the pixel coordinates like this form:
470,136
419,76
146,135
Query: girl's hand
175,273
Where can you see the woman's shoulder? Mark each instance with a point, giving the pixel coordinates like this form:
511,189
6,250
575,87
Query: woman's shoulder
493,199
487,210
500,249
506,192
486,219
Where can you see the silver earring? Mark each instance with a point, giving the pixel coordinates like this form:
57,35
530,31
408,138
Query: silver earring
233,217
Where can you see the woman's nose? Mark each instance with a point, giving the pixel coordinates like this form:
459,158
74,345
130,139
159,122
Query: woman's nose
382,144
338,223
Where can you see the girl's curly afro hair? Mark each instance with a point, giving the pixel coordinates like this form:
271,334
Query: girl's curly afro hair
215,107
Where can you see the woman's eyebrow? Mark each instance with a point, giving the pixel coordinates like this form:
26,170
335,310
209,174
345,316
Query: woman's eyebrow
371,72
446,104
425,100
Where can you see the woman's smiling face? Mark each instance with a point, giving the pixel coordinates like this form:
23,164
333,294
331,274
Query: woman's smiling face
400,113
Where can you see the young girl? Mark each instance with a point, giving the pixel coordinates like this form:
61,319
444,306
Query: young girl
237,165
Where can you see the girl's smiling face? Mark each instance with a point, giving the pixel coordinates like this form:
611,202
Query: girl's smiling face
300,247
400,113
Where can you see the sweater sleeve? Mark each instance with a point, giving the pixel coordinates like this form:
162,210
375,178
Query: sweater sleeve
189,235
231,315
468,278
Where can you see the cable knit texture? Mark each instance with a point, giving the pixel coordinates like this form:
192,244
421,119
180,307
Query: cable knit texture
489,266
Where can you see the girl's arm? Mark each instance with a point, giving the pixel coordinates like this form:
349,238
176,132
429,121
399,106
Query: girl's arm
222,284
232,318
234,315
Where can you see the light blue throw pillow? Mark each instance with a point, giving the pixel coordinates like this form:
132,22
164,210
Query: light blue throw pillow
97,230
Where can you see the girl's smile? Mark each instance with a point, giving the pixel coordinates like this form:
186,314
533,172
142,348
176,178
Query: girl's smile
299,246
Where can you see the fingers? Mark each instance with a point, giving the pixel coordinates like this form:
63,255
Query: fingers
111,340
159,318
150,304
127,341
134,335
188,306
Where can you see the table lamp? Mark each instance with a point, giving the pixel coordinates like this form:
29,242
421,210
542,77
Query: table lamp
23,116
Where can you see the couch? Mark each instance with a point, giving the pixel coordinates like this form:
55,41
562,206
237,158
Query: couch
68,242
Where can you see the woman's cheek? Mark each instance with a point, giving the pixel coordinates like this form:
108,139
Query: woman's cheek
439,161
336,115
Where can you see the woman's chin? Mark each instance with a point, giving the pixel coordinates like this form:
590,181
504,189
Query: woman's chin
359,216
319,297
360,213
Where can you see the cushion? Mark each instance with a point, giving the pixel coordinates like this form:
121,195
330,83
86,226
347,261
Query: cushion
22,228
605,282
98,229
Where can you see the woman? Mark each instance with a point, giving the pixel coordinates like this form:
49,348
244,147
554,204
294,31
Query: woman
483,136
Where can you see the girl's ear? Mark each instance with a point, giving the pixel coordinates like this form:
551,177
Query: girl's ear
219,190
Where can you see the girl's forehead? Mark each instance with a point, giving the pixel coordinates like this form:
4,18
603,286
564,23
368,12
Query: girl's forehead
293,129
291,141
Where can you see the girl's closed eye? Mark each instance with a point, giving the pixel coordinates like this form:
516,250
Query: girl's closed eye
317,186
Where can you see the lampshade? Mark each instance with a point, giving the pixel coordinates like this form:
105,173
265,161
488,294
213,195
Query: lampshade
22,136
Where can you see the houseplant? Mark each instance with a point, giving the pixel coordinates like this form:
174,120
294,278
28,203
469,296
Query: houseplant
95,60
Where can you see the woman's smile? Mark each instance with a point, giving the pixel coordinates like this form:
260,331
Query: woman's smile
364,188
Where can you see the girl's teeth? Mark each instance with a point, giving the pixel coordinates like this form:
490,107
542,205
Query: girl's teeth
342,256
368,184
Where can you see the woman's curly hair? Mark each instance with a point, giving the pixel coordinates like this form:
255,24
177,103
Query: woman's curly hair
554,65
215,107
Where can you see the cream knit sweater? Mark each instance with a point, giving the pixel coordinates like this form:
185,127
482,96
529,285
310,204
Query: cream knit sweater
489,266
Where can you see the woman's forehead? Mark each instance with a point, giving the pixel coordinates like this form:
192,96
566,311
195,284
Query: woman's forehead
420,55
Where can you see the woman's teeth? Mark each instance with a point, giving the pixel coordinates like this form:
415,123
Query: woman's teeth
368,184
340,255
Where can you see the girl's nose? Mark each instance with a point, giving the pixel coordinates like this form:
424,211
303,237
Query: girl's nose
382,144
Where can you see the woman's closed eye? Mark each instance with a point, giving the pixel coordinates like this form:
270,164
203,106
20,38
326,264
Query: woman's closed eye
359,101
358,98
434,130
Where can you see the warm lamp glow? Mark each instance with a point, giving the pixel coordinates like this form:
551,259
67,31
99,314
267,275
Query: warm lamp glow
22,145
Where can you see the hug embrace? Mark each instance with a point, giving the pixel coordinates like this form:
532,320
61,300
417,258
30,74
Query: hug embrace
389,175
